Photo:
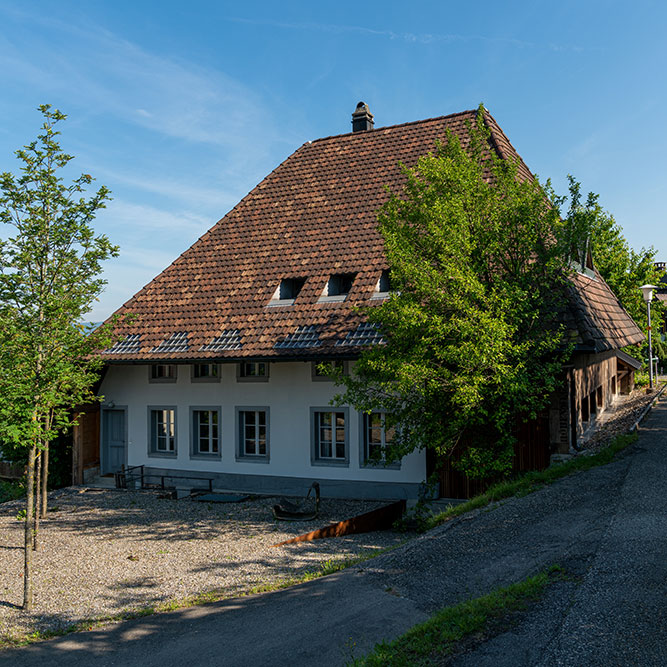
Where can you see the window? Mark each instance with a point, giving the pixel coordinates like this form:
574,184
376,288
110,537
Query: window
205,373
162,373
162,431
287,291
329,437
338,287
253,371
322,370
382,288
205,432
377,440
253,434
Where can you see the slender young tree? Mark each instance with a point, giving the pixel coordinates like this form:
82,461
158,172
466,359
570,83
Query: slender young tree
473,340
50,264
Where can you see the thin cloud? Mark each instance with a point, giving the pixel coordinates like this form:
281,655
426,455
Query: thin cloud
215,199
408,37
139,218
108,74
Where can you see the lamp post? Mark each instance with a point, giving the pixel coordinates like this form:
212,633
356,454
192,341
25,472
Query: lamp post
647,291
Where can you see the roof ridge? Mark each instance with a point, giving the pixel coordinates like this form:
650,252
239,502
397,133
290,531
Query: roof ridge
397,125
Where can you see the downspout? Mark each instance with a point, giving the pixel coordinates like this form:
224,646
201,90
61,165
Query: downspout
573,411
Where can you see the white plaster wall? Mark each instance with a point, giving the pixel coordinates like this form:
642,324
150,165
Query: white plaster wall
289,394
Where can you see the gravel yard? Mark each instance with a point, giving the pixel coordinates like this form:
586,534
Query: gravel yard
619,419
107,551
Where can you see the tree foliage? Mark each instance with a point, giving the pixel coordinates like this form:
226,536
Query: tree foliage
50,263
622,268
473,341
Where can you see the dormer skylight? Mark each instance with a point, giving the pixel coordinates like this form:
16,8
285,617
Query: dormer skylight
338,287
287,291
382,288
582,261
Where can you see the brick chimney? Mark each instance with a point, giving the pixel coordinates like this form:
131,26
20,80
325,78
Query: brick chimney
362,118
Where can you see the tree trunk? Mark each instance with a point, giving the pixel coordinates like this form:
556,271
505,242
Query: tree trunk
29,508
45,479
38,491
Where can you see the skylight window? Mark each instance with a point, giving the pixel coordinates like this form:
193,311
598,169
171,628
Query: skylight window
338,287
365,334
305,336
177,342
229,339
287,291
129,344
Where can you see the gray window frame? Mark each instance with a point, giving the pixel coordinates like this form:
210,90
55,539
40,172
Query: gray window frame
241,456
153,452
325,378
315,458
208,378
162,380
194,454
364,460
252,378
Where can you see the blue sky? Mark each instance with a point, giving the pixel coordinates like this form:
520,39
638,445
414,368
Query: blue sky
182,108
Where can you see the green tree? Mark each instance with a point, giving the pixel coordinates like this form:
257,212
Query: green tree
479,260
50,262
622,268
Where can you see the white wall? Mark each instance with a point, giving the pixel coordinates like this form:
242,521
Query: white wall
289,393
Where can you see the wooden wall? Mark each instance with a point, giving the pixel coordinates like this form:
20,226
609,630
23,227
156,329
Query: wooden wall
86,441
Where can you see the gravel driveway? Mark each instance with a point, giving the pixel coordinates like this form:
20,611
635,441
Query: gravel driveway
107,551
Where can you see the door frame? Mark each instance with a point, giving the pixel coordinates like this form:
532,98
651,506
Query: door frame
104,454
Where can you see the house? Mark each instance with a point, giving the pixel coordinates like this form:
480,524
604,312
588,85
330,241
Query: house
217,376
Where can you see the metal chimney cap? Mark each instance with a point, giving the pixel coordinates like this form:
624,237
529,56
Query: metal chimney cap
362,118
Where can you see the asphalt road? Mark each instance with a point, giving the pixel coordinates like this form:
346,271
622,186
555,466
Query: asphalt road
606,527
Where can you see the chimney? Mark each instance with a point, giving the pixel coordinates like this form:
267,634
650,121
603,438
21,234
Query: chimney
362,118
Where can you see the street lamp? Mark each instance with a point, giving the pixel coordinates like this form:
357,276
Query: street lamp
647,292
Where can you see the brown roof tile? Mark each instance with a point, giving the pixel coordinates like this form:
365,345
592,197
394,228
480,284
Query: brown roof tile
601,323
312,216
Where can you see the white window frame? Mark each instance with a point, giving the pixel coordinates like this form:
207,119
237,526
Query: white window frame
170,450
195,437
316,441
241,424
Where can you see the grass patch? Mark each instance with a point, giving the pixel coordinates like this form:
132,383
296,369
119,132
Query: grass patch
207,597
428,642
534,480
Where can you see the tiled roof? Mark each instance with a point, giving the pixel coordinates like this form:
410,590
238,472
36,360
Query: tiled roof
600,321
313,216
